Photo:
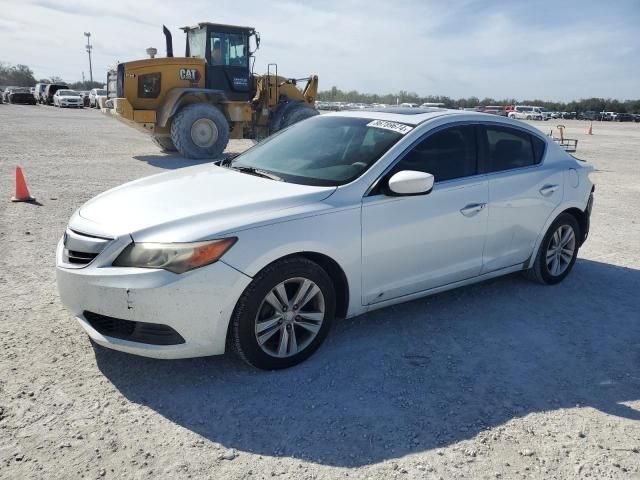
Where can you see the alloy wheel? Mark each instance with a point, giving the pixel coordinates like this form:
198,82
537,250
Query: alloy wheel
290,317
560,251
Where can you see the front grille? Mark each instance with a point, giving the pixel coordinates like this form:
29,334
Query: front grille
141,332
80,248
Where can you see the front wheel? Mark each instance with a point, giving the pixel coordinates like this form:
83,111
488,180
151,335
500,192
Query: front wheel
558,251
284,314
200,130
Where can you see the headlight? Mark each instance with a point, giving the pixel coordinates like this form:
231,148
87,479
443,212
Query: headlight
175,257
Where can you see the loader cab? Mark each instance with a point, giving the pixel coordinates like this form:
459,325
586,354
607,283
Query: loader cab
226,49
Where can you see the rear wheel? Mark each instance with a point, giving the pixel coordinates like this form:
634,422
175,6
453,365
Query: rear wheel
558,251
284,315
164,142
200,130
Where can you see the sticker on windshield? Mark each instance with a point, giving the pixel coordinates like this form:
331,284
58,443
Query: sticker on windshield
393,126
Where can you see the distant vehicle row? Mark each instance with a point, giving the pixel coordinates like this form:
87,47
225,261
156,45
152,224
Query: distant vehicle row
56,94
520,112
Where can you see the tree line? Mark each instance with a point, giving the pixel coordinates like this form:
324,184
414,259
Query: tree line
22,76
582,105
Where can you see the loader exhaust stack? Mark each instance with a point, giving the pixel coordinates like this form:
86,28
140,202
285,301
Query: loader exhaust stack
169,40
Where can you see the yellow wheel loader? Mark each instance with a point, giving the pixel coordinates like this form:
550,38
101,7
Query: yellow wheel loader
195,103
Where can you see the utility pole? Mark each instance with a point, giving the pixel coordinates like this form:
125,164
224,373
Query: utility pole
82,77
89,48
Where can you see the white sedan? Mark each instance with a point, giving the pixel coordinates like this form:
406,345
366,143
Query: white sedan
333,217
68,98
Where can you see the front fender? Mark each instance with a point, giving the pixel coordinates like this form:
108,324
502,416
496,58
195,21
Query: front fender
176,97
335,234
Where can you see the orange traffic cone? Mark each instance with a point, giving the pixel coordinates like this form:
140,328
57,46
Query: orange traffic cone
22,192
590,131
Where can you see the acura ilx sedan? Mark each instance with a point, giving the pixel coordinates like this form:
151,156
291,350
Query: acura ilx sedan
333,217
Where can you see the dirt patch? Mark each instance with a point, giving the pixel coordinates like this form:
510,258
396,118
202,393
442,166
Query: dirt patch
505,379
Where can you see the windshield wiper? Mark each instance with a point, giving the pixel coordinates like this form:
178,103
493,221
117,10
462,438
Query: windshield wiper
256,171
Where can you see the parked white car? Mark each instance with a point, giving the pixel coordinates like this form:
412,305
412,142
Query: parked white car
94,96
526,112
335,216
68,98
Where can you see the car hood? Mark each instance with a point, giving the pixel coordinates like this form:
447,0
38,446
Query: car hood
193,203
70,97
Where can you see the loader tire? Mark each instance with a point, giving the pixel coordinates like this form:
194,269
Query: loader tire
164,143
276,122
298,114
200,130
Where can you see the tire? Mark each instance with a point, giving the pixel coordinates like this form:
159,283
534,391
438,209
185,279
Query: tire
164,143
541,271
276,121
298,114
196,120
253,306
528,117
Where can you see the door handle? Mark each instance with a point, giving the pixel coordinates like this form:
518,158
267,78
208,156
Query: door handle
472,209
548,190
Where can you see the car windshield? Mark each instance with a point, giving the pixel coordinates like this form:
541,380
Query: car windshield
101,92
323,150
68,93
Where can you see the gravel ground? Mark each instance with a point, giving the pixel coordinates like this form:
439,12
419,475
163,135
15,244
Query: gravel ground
505,379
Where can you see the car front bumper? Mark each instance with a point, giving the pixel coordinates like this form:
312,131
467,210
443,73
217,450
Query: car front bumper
197,304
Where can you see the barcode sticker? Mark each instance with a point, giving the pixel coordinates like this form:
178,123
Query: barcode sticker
393,126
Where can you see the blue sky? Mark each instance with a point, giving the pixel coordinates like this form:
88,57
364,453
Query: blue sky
555,50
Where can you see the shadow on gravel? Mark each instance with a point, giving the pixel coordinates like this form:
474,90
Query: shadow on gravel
174,161
416,376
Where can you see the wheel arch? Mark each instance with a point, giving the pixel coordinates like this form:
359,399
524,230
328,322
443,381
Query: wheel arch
178,97
573,209
334,270
337,275
329,265
582,219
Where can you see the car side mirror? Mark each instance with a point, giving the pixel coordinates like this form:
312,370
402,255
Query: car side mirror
410,182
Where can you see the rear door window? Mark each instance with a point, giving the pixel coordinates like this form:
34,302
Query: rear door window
508,148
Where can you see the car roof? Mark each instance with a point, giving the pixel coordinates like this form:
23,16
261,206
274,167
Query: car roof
406,115
416,116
